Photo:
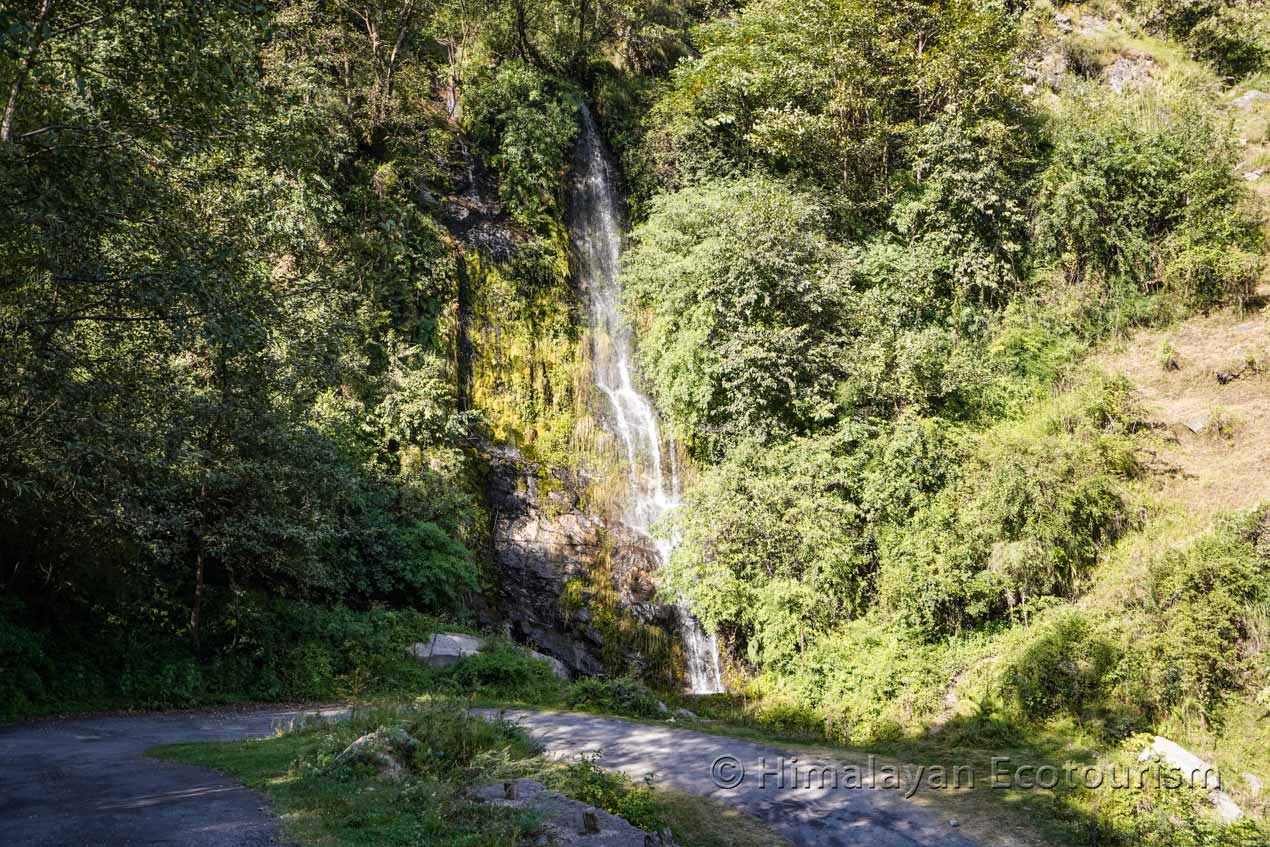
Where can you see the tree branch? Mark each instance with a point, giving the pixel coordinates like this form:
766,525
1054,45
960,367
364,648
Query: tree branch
19,79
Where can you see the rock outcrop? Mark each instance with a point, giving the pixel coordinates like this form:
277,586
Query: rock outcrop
386,750
543,538
1197,773
446,648
569,822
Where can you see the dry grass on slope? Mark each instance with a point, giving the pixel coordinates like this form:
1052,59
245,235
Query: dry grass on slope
1206,382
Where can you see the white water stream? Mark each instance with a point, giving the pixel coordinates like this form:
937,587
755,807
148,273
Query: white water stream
595,225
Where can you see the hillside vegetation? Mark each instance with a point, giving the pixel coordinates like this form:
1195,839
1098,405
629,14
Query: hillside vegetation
956,307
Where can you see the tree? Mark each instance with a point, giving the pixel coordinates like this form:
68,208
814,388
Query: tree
739,295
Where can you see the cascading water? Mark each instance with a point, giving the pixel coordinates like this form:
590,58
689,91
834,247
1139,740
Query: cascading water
595,227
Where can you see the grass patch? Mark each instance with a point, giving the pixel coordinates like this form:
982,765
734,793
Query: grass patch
323,802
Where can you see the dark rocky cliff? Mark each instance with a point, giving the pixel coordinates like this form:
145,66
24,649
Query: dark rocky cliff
542,540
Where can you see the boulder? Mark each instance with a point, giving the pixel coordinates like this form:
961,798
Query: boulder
1197,773
386,750
567,822
1197,424
1250,98
1130,69
449,648
557,666
446,648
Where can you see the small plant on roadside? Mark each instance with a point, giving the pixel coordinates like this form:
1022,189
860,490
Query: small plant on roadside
611,791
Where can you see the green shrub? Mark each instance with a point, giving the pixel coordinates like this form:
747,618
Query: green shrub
1063,666
621,695
776,547
1034,504
454,745
274,650
506,671
24,666
1231,34
1141,186
611,791
1185,657
526,120
741,296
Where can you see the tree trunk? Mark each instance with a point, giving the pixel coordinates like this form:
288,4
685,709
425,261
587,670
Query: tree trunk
196,610
24,68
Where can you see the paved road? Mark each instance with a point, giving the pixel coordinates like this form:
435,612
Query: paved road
682,759
85,783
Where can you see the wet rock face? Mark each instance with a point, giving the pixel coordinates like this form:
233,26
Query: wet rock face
542,538
470,210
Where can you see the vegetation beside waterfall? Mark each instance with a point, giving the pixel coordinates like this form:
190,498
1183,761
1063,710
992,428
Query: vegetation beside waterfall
956,310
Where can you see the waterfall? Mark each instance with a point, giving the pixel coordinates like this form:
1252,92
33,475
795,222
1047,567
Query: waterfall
595,226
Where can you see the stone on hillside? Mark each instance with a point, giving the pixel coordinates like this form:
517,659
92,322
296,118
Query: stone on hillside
685,714
558,667
1197,773
1197,424
1254,785
1049,69
1250,98
1131,69
386,750
446,648
567,822
1227,809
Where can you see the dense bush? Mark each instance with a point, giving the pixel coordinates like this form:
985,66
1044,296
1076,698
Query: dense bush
1231,34
506,671
1195,610
941,529
1140,189
831,94
623,695
744,306
264,650
526,121
1063,668
1033,504
776,546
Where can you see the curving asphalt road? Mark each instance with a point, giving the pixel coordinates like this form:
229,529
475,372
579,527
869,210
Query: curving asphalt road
682,759
86,783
